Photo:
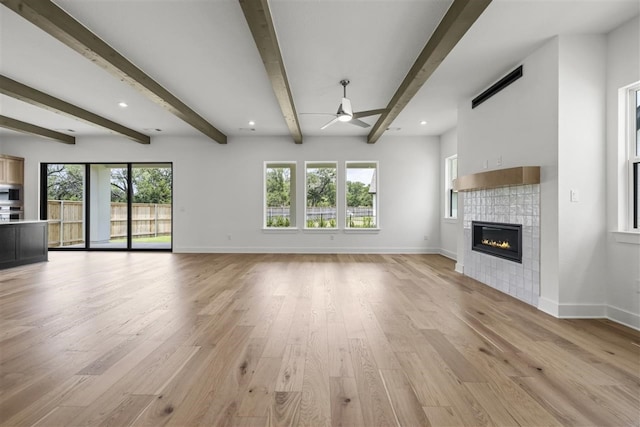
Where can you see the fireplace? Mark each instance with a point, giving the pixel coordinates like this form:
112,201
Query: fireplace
497,239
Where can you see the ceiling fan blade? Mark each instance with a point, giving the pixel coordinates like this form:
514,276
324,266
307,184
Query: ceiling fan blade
346,106
359,123
368,113
329,124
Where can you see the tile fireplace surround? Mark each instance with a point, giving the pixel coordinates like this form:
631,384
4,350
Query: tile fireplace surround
516,204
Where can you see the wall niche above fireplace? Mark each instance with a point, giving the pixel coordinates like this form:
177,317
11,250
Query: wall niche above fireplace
497,239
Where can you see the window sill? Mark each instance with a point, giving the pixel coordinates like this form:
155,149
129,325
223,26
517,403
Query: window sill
631,237
450,220
321,230
362,230
280,230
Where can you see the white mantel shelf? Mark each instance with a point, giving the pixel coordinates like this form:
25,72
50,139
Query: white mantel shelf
521,175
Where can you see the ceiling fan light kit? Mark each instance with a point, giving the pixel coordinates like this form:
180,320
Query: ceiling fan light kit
345,112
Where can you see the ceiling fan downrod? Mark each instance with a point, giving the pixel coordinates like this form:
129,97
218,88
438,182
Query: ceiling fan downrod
344,84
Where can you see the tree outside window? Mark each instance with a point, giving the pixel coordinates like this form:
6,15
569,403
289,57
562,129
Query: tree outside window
361,195
321,208
279,195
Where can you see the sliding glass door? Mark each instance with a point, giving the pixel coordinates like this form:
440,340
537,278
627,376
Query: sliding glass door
128,206
151,207
63,204
108,206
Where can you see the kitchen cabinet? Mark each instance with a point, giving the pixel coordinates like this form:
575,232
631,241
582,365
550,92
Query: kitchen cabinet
23,242
11,170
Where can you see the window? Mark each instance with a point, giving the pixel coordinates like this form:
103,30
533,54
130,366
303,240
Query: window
320,197
280,191
451,196
634,156
361,191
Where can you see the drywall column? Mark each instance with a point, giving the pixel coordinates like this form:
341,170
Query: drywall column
100,203
581,176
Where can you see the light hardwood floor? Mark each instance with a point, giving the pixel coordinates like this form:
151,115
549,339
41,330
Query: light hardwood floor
154,339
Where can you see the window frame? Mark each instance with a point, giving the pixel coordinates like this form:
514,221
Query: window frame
632,157
316,164
292,165
448,187
376,204
87,209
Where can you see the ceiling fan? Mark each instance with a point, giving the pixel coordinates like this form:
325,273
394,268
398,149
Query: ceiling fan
345,112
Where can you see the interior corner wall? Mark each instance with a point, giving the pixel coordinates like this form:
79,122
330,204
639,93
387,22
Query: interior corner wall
218,189
581,171
448,227
519,127
623,259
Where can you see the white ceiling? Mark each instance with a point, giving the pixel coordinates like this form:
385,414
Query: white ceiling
203,52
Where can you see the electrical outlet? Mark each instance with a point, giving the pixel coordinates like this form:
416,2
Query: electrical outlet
426,237
486,164
574,196
228,236
331,237
499,161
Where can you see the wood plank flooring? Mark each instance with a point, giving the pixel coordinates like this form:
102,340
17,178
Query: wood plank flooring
158,339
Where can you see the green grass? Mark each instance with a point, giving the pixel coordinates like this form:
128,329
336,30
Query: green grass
159,239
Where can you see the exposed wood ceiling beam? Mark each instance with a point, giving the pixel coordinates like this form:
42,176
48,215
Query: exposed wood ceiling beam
455,23
55,21
33,96
24,127
258,16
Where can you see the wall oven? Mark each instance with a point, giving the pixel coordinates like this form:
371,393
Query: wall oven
9,213
11,207
10,194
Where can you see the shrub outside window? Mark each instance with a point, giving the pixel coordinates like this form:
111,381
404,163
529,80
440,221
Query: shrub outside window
320,197
280,191
361,191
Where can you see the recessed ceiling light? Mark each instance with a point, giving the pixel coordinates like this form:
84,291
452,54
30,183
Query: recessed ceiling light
252,123
122,104
423,122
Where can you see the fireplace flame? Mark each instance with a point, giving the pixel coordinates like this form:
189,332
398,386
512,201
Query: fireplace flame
493,243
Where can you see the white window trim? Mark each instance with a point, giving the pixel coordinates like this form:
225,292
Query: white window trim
631,154
626,156
322,164
292,208
448,184
355,163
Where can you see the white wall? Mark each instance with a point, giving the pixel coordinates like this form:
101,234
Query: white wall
448,226
581,160
218,188
520,125
623,259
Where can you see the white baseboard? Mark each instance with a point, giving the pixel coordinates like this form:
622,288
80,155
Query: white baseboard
582,311
623,317
589,311
572,311
459,267
548,306
302,250
449,254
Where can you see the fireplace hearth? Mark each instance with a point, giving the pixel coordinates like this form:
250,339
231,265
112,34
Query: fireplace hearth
497,239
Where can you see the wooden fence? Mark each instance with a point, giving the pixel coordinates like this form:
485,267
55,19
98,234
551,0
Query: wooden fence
66,221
